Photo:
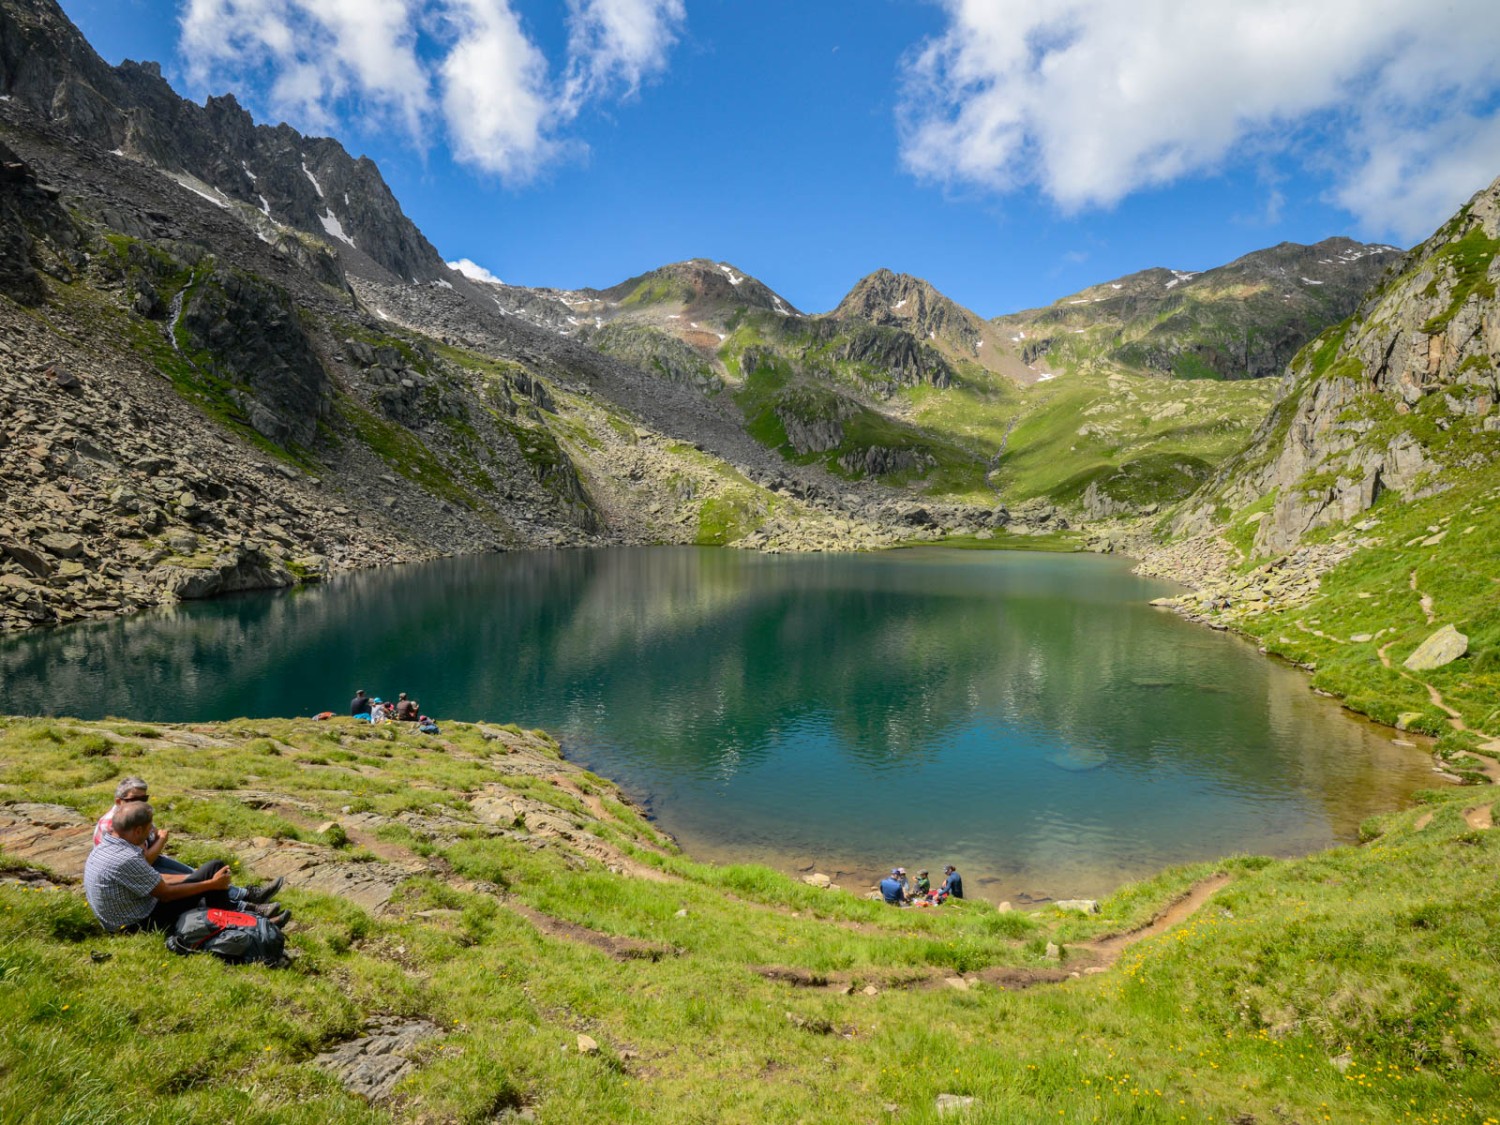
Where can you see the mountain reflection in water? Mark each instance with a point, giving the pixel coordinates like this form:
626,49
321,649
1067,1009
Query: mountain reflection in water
1026,716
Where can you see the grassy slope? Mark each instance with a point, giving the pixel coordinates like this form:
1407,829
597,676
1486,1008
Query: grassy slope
1129,422
1378,593
1383,957
1135,424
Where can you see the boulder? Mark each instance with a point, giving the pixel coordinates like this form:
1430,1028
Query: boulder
33,561
62,545
1080,905
1442,648
950,1104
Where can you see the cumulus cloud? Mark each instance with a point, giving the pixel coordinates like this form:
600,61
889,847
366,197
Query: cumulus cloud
468,67
474,271
495,97
619,42
1091,100
316,53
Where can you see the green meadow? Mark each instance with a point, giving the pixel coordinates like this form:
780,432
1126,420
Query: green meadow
1361,984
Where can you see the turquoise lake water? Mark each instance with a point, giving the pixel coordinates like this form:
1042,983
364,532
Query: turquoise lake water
1025,716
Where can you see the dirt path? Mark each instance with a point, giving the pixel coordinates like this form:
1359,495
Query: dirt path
1479,817
1107,950
620,948
1425,600
1091,957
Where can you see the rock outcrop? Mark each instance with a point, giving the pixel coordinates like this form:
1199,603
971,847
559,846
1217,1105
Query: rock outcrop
1400,395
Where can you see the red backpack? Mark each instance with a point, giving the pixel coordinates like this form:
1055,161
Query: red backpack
229,934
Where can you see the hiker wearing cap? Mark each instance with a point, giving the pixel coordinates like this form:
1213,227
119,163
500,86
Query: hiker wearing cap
377,710
406,709
924,884
359,706
892,890
953,883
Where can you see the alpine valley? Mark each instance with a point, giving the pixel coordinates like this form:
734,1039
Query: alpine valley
231,362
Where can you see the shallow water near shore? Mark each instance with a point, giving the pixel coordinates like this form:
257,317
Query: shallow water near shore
1025,716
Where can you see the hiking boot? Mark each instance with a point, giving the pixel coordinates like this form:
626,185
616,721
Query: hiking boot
282,918
264,909
264,892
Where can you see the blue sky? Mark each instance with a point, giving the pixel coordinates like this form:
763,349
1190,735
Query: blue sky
1009,151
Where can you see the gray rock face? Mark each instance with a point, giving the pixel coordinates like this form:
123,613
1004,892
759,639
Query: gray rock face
1425,343
893,351
878,461
1442,648
304,182
255,341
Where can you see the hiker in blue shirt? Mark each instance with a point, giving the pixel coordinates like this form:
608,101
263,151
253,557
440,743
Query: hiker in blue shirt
892,890
953,884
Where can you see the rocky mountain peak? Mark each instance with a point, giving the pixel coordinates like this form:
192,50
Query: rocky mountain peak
1242,320
701,287
886,297
264,175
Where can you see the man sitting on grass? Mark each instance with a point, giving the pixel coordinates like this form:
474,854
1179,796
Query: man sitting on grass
127,894
133,789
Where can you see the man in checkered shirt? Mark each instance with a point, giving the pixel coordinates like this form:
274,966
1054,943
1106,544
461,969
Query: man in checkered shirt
127,893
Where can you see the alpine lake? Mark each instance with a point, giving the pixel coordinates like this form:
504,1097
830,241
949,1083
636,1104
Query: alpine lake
1027,717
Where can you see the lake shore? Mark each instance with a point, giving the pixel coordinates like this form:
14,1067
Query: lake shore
494,903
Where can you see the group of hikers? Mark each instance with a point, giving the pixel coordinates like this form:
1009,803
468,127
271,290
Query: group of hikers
898,889
131,885
377,710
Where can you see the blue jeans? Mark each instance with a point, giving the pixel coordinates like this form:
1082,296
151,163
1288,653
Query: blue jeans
169,866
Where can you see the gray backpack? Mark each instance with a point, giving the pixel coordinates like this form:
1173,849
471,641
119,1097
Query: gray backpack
228,934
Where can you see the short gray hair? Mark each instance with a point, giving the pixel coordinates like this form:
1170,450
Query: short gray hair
130,785
132,816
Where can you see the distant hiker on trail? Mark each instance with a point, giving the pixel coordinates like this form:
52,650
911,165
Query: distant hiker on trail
127,894
360,704
953,884
891,889
133,791
406,709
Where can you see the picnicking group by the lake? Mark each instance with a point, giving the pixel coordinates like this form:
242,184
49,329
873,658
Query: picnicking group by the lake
898,889
378,710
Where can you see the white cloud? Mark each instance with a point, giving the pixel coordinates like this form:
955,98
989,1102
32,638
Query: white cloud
468,65
1093,99
495,96
316,53
619,42
474,271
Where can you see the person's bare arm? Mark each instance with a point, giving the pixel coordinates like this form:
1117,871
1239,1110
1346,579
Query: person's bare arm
155,848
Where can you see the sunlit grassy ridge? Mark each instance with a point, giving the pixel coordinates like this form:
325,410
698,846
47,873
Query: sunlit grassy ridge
1357,985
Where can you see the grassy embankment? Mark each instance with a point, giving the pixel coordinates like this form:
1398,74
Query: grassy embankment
1424,564
1356,985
